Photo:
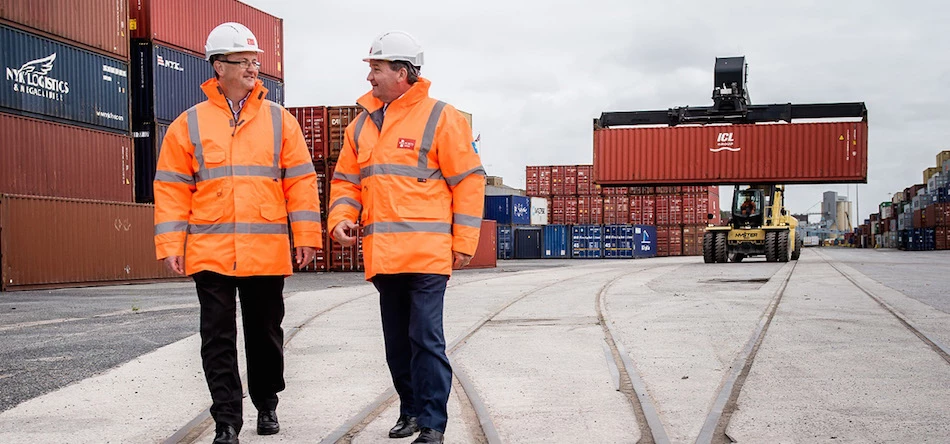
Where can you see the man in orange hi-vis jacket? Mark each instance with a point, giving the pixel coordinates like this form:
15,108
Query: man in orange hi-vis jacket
233,172
409,173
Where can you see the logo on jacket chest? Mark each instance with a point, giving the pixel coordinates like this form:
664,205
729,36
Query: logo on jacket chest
406,144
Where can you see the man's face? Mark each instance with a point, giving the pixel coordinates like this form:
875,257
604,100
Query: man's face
385,81
232,74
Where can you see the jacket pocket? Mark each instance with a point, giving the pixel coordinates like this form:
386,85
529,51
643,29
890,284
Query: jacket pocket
423,211
273,212
214,156
207,213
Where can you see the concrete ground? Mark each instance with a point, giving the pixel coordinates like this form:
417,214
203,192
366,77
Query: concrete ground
120,364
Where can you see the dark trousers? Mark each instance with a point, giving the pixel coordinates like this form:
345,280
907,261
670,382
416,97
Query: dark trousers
411,307
262,309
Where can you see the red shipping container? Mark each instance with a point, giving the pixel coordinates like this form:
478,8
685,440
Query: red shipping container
585,180
570,180
676,209
643,209
689,208
486,255
642,190
558,180
669,240
616,210
183,24
663,209
39,157
544,181
313,124
919,221
531,180
796,153
338,117
943,238
693,239
558,207
571,210
596,210
937,215
97,25
584,204
676,240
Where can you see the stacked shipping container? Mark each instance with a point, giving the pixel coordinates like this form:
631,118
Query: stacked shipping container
916,218
680,213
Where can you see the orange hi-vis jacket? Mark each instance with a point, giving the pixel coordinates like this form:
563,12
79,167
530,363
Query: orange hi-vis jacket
225,190
415,177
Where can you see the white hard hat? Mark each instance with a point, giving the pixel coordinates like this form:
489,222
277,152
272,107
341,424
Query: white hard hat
230,37
395,45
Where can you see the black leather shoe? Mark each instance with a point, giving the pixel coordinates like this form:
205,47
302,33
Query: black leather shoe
267,422
429,436
405,426
225,434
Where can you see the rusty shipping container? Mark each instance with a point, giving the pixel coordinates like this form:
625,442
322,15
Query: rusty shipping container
313,124
178,23
486,255
46,241
796,153
97,25
39,157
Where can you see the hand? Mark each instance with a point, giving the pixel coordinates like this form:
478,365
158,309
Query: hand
461,260
305,255
339,233
176,264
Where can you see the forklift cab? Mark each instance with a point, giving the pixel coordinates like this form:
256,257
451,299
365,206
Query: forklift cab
748,207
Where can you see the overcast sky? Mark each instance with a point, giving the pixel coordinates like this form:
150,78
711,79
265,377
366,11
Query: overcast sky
535,73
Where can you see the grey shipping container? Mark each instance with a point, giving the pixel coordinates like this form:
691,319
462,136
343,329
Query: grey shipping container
148,139
166,82
49,79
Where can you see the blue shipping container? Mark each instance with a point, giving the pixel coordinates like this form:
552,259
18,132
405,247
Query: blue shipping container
48,79
166,82
557,242
505,247
618,241
508,210
644,241
147,139
587,241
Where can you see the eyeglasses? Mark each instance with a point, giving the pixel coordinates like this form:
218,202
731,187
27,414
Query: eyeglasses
245,63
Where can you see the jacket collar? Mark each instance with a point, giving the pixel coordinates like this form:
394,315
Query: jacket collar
418,92
212,89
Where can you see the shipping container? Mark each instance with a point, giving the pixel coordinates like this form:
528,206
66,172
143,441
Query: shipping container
570,180
148,138
544,181
338,117
527,242
56,242
178,23
669,240
486,255
937,215
39,157
942,238
585,180
539,211
49,79
97,25
616,209
587,241
929,172
643,209
166,82
693,239
795,153
557,242
508,210
531,180
559,180
506,245
348,258
644,241
313,124
618,241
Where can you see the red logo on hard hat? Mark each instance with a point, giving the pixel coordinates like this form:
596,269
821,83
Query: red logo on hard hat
251,42
406,144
